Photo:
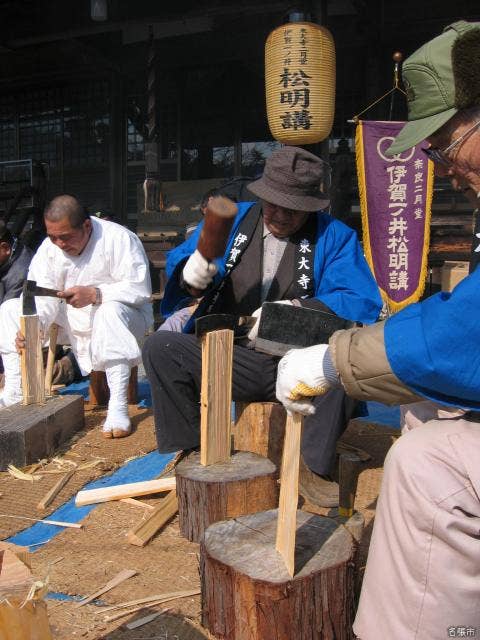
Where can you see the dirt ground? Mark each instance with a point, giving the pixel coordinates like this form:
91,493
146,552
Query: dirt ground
78,562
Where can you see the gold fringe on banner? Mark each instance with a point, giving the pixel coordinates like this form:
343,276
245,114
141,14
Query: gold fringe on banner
392,305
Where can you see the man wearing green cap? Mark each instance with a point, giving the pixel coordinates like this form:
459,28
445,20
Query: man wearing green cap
422,577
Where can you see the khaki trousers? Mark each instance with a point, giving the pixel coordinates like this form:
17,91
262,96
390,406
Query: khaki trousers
422,579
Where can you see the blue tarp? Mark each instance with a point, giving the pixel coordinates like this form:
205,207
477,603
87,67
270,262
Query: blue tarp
147,467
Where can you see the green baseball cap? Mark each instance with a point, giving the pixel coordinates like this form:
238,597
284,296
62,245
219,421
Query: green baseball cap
429,81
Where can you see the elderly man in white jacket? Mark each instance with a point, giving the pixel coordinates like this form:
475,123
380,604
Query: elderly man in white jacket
104,310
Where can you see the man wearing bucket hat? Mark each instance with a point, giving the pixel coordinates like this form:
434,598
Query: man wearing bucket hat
427,520
281,249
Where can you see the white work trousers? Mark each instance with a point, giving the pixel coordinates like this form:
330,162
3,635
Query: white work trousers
112,336
422,580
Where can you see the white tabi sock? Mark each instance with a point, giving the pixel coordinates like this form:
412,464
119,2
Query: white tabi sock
12,391
117,380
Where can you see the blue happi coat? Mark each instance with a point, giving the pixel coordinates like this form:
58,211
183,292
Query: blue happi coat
342,278
434,346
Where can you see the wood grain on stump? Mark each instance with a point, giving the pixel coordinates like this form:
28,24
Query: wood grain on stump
247,593
260,427
244,484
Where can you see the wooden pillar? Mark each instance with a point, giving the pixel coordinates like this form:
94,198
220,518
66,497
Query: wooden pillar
246,483
247,593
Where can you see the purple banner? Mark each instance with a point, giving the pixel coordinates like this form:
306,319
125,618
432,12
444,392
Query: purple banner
395,201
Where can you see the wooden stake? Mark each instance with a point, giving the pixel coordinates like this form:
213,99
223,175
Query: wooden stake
92,496
144,531
57,487
216,397
287,507
114,582
31,359
52,345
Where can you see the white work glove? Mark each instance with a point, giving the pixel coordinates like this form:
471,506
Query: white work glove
252,334
303,373
199,272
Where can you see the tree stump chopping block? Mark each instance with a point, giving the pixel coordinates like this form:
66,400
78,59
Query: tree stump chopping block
247,593
244,484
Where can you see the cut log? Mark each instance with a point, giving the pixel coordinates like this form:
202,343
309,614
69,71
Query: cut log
33,378
244,484
30,433
143,532
92,496
247,593
216,397
260,428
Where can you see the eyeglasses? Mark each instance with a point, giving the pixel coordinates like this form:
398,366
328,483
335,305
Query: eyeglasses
441,155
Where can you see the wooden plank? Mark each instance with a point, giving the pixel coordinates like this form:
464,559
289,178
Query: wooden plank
52,345
57,487
31,358
144,531
216,397
147,487
287,507
114,582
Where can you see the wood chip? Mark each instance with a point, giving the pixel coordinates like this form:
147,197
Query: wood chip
21,475
58,523
158,599
138,503
50,496
118,579
145,620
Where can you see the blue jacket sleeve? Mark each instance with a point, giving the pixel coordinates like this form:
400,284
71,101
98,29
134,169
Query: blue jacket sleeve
432,346
343,278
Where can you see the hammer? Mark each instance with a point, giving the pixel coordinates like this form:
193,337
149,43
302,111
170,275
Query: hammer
216,335
31,358
219,216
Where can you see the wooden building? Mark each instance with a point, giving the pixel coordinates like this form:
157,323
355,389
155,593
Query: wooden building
85,85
